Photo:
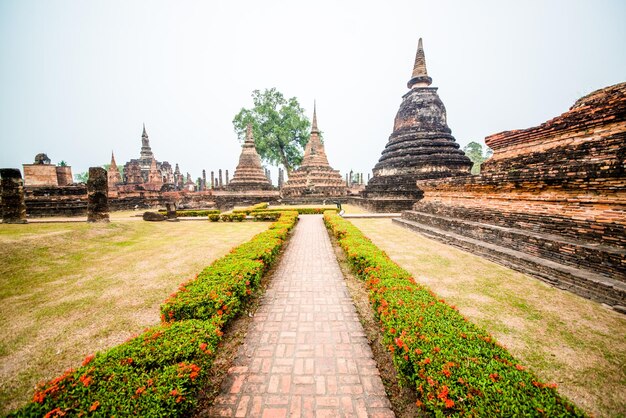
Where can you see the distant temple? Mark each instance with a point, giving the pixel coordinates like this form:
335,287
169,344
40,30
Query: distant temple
43,173
420,147
314,177
249,174
146,169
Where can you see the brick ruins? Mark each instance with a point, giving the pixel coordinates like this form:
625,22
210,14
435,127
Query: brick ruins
42,173
12,207
249,174
97,195
420,147
550,202
315,177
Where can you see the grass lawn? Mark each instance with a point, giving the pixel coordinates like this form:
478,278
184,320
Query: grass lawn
563,338
70,289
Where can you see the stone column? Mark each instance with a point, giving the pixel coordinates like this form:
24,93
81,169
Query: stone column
13,208
203,180
212,180
226,178
220,184
97,196
368,177
281,178
171,211
347,184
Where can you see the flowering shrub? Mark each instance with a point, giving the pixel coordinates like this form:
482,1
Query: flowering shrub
191,212
456,367
214,217
160,372
154,374
220,289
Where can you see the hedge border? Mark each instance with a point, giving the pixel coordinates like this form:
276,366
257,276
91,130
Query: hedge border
184,213
456,367
160,372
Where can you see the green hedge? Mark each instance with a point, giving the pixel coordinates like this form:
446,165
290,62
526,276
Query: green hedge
190,212
160,372
258,206
301,211
221,288
457,368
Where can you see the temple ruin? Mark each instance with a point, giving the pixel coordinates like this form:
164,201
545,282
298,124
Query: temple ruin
249,174
420,147
43,173
551,201
315,177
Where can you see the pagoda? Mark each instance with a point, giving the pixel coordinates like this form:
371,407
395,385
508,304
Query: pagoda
315,177
113,174
249,174
421,146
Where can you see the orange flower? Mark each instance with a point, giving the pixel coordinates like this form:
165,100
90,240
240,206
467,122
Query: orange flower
140,390
202,346
494,377
94,406
88,359
418,351
85,380
446,372
436,349
427,361
443,394
419,403
56,412
519,367
449,403
174,392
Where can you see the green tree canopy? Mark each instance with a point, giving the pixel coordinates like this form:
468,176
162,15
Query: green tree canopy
474,151
279,126
81,177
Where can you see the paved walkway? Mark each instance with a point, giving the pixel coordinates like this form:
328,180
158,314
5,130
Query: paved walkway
305,354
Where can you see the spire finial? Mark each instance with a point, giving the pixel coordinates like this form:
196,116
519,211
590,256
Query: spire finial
314,124
144,130
249,137
420,77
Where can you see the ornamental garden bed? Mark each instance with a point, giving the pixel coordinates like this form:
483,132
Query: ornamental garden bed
456,367
160,372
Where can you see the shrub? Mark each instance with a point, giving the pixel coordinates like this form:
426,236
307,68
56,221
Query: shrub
456,367
154,374
221,289
266,216
193,212
214,218
160,372
238,217
226,217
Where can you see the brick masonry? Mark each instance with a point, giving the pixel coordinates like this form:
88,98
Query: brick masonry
556,191
305,354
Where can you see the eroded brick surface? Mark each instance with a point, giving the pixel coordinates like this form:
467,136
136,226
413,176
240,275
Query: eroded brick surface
305,354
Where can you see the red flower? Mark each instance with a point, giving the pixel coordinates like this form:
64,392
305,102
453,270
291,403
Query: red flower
174,392
519,367
418,351
443,394
88,359
449,403
202,346
446,372
220,313
56,412
494,377
427,361
85,380
94,406
436,349
140,390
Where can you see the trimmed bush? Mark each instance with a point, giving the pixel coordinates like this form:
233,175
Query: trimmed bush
214,218
226,217
154,374
160,372
193,213
302,211
456,367
221,289
238,217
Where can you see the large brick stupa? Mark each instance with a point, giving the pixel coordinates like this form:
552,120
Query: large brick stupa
315,177
421,146
249,174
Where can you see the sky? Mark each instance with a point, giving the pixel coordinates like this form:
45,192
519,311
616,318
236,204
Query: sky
79,78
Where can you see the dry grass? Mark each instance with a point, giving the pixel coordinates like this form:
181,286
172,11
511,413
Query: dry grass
70,289
566,339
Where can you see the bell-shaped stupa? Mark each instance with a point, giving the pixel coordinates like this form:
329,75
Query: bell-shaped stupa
315,177
249,174
420,147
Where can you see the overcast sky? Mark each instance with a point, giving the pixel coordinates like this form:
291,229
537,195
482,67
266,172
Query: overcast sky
78,78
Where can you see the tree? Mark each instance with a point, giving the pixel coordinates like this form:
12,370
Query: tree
81,177
62,164
279,126
474,152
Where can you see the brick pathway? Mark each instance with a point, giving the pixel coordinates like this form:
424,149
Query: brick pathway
305,354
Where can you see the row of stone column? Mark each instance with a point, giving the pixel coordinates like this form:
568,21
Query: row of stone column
359,179
13,206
